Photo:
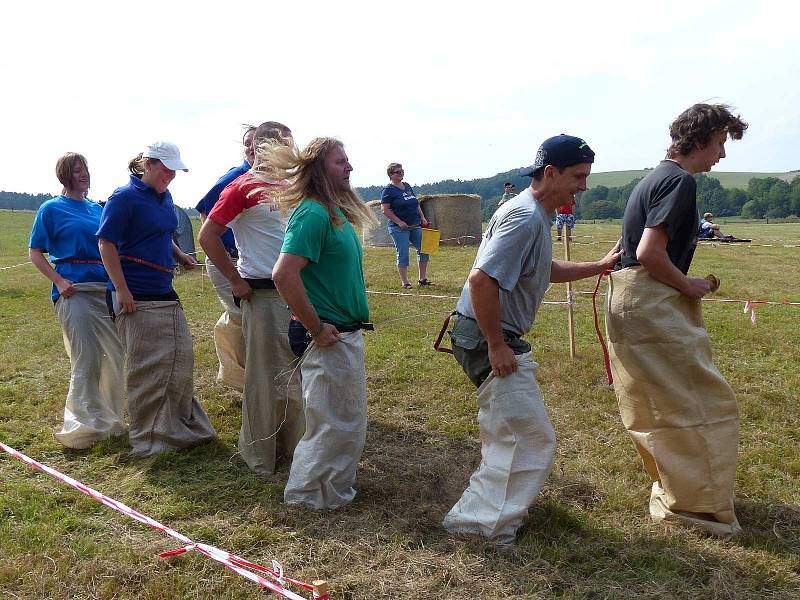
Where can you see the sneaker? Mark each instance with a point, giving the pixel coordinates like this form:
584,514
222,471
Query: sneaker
424,282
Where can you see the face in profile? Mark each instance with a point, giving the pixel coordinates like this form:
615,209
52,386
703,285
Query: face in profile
712,152
571,181
338,168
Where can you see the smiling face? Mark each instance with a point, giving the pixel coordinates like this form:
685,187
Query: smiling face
570,182
79,179
396,175
157,176
338,168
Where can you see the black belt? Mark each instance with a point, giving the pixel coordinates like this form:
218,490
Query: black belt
349,328
261,283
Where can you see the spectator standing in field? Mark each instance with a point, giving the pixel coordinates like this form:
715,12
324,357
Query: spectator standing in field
228,337
405,220
677,407
135,237
498,305
565,215
64,228
272,405
320,275
509,191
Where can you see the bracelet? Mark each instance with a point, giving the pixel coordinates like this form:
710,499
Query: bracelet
314,334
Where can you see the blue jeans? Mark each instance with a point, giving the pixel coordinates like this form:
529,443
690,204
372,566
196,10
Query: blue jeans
403,238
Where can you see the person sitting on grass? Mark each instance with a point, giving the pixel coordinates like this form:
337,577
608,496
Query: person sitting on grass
710,230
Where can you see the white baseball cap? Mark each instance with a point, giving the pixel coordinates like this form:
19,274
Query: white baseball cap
167,153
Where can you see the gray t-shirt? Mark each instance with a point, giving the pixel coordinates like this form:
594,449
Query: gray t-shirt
517,252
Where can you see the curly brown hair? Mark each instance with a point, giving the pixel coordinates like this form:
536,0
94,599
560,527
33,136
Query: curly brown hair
695,126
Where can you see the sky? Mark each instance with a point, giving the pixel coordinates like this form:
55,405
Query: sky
453,90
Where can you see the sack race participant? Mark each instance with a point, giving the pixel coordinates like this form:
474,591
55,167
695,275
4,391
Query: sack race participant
272,409
136,244
228,337
320,275
498,305
678,409
64,228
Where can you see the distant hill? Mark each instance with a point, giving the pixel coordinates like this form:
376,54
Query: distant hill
727,179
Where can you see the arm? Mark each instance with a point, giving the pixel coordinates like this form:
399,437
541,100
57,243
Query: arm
393,217
211,242
286,276
564,270
652,254
423,221
186,260
484,293
110,256
64,286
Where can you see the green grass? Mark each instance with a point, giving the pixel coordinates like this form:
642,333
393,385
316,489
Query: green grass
589,536
727,179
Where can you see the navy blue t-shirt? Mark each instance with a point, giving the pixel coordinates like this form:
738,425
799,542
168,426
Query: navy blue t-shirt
140,221
210,199
65,228
402,202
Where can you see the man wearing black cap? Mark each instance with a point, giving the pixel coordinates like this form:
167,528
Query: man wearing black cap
498,305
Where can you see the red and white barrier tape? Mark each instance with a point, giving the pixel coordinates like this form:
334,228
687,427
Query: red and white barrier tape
435,297
15,266
235,563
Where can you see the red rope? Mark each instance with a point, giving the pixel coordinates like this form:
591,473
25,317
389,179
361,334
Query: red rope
600,337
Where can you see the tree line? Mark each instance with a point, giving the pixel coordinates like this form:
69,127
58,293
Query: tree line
767,197
22,201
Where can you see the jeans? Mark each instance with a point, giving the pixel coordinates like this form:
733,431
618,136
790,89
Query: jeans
403,238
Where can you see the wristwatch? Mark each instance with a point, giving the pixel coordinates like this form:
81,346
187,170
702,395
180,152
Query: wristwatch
314,334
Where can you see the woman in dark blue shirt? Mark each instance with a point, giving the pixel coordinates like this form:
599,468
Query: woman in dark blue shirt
405,220
136,245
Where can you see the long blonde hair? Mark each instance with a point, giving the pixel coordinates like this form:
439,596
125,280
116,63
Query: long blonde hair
305,177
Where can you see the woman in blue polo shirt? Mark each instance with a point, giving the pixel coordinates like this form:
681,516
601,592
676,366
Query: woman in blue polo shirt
404,216
64,229
136,244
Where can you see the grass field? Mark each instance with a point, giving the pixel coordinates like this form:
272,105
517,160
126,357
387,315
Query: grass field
589,535
727,179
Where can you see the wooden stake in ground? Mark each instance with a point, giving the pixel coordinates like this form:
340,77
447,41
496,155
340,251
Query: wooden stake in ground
570,315
320,589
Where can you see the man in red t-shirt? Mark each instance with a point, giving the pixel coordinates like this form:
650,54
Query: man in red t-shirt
272,405
565,215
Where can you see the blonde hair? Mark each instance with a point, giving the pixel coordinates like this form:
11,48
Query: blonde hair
305,177
65,167
393,167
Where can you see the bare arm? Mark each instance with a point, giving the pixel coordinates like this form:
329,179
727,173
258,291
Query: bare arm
393,217
211,241
484,293
286,276
563,270
422,218
64,286
652,254
110,256
186,260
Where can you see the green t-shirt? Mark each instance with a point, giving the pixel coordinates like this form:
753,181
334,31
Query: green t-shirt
333,277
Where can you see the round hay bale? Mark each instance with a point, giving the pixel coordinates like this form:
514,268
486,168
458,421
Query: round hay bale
378,234
456,216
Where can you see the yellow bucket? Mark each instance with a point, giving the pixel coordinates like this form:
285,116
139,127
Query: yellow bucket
430,240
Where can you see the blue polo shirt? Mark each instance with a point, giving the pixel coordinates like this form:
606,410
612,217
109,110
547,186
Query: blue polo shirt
210,199
403,204
140,221
65,228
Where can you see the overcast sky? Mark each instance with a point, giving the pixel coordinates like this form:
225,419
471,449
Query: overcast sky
450,89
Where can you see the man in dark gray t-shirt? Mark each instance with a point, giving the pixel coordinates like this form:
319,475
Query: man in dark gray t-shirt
498,304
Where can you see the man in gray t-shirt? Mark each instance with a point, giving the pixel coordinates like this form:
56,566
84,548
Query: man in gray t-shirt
498,305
